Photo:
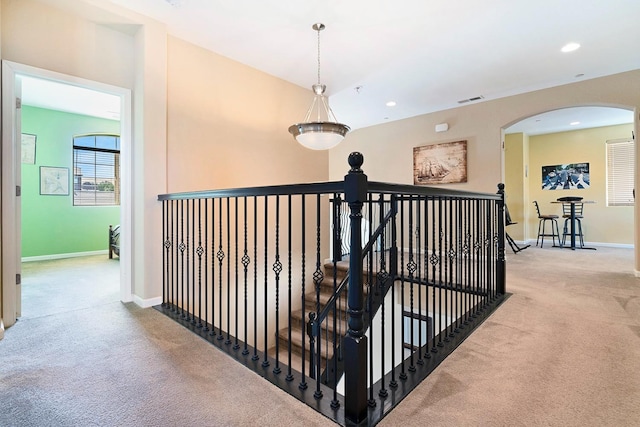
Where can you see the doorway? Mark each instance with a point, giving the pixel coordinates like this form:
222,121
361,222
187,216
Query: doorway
568,136
13,74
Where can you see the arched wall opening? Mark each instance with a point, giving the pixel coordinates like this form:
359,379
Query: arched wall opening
555,137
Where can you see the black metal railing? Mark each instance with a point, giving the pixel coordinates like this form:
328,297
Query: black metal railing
265,274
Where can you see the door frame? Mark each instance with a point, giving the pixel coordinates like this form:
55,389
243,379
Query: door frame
10,250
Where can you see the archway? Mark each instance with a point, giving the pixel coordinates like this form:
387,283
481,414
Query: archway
566,136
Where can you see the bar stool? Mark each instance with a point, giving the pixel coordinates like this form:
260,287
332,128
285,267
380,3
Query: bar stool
542,222
566,214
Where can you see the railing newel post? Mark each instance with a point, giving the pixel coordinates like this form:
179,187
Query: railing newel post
355,342
500,262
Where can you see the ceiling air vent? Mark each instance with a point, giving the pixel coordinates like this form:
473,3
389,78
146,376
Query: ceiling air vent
475,98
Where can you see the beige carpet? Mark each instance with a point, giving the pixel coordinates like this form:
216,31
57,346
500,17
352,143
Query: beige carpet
563,350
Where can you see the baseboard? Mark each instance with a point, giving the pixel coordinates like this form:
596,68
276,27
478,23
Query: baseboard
610,245
145,303
597,244
1,329
62,256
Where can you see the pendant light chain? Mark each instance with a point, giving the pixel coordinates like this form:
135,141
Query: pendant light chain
318,31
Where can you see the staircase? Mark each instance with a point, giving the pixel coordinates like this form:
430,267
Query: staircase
328,327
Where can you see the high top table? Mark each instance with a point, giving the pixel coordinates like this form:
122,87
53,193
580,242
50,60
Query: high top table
573,246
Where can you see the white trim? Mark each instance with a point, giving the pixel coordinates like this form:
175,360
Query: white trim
146,303
62,256
1,329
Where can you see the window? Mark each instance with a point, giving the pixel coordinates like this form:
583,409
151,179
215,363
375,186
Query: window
620,169
96,170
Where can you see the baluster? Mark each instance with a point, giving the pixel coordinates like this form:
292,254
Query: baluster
165,263
428,280
228,328
236,345
206,264
318,277
200,252
277,268
393,269
411,268
265,362
189,271
182,248
433,259
289,376
403,373
255,279
419,276
382,282
245,263
174,257
372,289
213,267
220,260
303,382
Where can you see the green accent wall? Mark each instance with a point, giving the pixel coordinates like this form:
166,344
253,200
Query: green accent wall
51,225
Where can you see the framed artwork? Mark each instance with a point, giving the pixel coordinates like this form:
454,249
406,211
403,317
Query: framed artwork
440,163
572,176
28,153
54,181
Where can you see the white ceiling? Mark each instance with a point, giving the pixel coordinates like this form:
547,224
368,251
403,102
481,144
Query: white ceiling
424,55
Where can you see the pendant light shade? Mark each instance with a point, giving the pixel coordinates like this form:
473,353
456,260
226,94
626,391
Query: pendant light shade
320,130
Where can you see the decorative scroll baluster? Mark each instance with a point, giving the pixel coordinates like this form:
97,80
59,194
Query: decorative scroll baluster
245,264
182,248
213,268
277,269
189,271
265,362
206,263
220,260
411,268
200,252
174,257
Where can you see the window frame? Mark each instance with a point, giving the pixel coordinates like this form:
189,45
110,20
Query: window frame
78,183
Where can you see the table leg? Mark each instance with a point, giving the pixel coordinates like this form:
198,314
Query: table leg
573,226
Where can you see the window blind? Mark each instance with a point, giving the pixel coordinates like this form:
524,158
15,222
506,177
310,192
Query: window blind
620,172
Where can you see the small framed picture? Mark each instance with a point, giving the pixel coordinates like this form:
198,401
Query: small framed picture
28,149
54,181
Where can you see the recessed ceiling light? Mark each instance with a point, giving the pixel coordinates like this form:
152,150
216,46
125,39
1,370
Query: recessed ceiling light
391,104
570,47
579,75
574,123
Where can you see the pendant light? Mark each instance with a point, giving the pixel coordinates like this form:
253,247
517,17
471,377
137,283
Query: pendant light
320,130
